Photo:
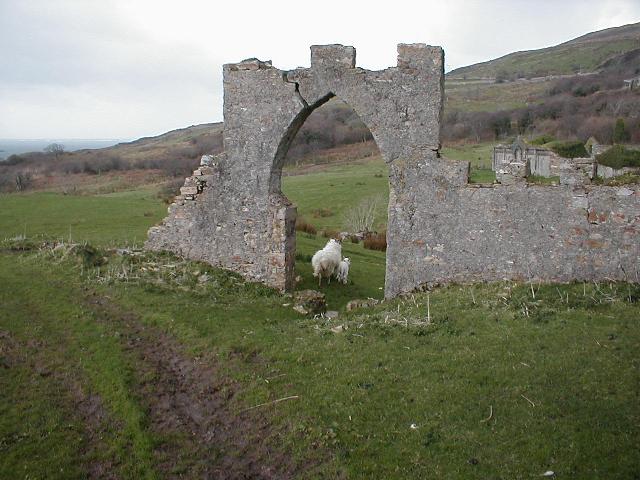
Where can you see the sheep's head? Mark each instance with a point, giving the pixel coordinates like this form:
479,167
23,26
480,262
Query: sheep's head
346,260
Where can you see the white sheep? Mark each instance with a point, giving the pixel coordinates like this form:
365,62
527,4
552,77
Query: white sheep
343,270
326,261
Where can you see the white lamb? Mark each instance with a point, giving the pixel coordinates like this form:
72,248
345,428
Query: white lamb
343,270
326,261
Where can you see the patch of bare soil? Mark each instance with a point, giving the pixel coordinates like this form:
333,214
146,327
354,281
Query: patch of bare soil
95,420
189,406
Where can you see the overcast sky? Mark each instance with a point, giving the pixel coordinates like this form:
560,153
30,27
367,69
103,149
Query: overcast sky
132,68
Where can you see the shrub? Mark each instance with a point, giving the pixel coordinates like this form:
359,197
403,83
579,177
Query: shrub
90,256
331,234
23,181
361,217
542,139
303,226
501,125
170,190
619,157
620,132
322,212
585,90
13,160
573,149
376,241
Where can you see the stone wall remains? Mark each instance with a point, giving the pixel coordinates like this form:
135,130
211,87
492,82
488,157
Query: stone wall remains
231,212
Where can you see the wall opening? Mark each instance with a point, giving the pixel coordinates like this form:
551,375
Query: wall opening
330,167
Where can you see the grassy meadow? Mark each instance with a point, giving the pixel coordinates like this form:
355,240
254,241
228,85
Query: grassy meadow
486,381
110,219
323,198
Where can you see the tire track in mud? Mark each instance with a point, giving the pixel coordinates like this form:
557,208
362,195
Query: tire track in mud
188,406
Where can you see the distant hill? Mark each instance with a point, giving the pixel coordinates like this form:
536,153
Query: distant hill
181,135
582,54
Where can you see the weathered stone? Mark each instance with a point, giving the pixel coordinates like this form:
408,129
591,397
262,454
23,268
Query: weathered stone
332,56
309,302
206,160
577,171
440,229
608,172
188,190
361,303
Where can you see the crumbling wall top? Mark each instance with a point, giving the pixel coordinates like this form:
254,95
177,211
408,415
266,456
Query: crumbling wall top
249,64
419,56
332,56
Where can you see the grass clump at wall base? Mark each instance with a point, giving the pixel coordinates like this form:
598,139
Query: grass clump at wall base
303,226
569,149
540,180
376,241
619,157
322,212
626,179
482,175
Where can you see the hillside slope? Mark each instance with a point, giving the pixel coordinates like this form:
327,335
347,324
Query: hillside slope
582,54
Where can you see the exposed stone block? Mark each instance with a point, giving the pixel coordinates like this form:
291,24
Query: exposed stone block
188,190
332,56
310,302
420,57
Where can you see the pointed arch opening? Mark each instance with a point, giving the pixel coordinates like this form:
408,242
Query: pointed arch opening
329,166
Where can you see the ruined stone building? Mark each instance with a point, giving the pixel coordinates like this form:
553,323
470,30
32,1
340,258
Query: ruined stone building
231,213
540,161
520,160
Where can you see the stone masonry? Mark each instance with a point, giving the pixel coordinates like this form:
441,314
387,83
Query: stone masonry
231,212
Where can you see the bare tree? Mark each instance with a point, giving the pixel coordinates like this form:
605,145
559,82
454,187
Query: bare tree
361,217
23,181
56,148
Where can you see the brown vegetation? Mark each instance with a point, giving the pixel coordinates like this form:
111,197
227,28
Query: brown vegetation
376,241
303,226
574,108
331,234
175,154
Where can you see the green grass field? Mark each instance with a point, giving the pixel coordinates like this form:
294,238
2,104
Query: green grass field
491,97
115,218
465,382
567,58
482,388
337,189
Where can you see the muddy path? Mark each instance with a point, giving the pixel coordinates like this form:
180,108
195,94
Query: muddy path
188,406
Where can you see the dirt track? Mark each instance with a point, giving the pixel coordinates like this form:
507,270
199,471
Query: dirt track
188,406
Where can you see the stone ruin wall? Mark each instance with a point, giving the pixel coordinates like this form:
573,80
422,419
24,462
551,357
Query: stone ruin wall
232,214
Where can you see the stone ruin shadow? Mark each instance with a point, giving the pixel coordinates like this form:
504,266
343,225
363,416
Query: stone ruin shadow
231,213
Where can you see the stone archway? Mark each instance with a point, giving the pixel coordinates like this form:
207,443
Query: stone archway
440,229
235,215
